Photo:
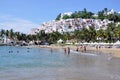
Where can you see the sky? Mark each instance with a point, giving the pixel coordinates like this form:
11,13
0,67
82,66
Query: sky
23,15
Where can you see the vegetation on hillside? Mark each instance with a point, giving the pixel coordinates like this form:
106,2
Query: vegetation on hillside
88,14
111,34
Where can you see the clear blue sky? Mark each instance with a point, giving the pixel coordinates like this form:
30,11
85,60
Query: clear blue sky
33,12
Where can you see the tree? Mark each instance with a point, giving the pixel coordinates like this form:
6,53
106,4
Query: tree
66,17
43,35
53,37
74,15
85,35
89,15
17,36
2,32
117,32
105,11
77,35
11,33
7,32
38,36
101,15
66,36
58,17
109,32
92,34
100,35
113,17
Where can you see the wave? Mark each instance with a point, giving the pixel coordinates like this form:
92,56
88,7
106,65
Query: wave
82,53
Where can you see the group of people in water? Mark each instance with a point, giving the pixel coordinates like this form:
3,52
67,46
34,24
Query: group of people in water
11,51
81,48
98,47
67,50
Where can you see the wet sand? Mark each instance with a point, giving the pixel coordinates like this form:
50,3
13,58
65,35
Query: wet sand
114,51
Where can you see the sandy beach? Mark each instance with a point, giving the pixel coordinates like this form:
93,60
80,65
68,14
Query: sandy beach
114,51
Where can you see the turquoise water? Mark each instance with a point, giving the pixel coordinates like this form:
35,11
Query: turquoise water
20,63
21,57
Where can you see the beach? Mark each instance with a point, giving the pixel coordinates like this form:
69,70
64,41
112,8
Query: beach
115,52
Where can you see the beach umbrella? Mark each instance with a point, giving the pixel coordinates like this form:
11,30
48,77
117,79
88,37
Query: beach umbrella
117,43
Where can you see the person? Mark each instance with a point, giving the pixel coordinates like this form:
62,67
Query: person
97,47
68,50
51,50
65,50
84,48
81,48
77,49
17,51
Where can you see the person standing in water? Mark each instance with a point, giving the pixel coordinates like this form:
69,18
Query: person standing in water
85,48
68,50
51,50
77,49
65,50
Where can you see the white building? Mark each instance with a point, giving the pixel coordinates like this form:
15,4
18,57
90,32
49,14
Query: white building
4,39
69,25
66,13
95,15
110,12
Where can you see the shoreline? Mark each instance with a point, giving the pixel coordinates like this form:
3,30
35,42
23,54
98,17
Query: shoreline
114,51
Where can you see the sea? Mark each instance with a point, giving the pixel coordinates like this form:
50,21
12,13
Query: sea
23,63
